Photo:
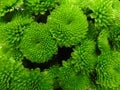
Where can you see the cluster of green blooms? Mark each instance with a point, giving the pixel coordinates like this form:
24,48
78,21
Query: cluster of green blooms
13,76
91,28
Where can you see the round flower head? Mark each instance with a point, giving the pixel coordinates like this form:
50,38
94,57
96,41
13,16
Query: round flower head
11,33
68,25
69,80
108,69
102,12
9,70
84,56
37,44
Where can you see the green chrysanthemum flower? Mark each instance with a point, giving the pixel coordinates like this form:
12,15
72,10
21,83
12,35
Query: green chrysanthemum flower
37,44
102,12
11,33
33,80
69,25
9,5
14,76
69,80
39,6
9,70
108,69
84,56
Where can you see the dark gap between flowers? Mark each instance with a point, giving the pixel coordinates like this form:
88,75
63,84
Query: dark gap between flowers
59,88
41,18
98,52
8,16
64,53
93,76
110,43
87,12
91,19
